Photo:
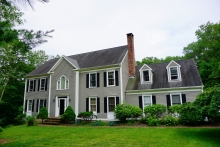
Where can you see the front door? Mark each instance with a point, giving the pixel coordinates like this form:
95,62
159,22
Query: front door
62,106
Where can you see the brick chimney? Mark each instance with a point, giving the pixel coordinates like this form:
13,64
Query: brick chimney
131,56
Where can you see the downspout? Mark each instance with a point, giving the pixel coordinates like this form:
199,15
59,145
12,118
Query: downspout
77,94
25,89
49,95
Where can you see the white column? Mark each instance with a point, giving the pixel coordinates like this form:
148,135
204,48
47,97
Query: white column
49,95
77,93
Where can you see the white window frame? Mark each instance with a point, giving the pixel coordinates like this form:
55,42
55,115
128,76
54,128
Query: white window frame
108,102
39,104
94,112
31,105
171,101
29,84
44,87
142,76
151,101
113,78
178,74
66,86
95,80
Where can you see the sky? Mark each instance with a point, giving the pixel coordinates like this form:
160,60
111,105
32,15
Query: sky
161,27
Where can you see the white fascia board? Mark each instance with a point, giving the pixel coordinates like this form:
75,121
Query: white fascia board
56,64
146,66
173,62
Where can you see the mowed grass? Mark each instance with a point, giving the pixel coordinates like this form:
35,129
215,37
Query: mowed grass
110,136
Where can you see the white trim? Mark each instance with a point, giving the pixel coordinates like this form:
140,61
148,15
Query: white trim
28,105
171,101
44,84
77,94
108,103
173,62
59,85
29,85
151,100
178,74
95,79
49,95
107,78
146,66
94,112
25,89
150,72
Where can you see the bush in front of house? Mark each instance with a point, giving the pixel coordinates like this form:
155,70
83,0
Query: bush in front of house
174,110
156,110
124,111
43,114
31,121
1,129
68,115
169,120
190,114
153,121
20,118
87,116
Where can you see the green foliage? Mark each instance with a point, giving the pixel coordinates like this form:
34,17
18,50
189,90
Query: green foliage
31,121
69,115
174,110
153,121
112,123
1,129
43,114
156,110
205,52
20,119
190,114
169,120
87,116
124,111
143,120
99,123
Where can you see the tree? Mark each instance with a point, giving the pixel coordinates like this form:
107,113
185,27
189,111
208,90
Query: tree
21,2
43,114
38,58
206,52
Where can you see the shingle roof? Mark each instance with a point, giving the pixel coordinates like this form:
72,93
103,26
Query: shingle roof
91,59
189,74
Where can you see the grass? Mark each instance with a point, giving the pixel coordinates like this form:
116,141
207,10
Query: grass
110,136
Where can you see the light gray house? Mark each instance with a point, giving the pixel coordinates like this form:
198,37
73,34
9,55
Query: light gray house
97,81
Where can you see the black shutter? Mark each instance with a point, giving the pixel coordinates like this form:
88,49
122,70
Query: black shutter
87,80
183,98
97,79
168,101
33,106
154,99
45,103
37,105
98,105
27,85
25,107
38,88
46,84
140,102
116,78
87,104
34,85
117,101
105,81
105,104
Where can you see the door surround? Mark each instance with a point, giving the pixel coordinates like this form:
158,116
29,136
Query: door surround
57,104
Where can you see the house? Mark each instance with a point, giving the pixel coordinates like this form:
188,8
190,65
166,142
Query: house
97,81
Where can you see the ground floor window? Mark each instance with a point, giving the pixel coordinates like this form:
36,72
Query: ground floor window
176,99
92,102
30,105
147,100
111,104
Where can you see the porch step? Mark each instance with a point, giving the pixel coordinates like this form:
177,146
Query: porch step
52,121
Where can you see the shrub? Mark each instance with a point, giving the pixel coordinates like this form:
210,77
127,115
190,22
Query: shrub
174,110
111,123
143,120
169,120
156,110
43,114
20,118
190,114
69,115
87,116
31,121
124,111
1,129
153,121
99,123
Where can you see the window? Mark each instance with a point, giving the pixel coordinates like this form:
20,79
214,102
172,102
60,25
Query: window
147,101
30,105
111,104
42,84
111,78
176,99
146,76
92,80
41,103
92,104
31,85
173,73
63,83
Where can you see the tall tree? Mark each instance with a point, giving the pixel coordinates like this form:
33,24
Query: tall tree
206,52
18,3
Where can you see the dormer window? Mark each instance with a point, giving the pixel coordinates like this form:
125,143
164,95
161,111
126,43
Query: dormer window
146,74
173,71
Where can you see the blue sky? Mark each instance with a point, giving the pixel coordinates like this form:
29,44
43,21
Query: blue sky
161,27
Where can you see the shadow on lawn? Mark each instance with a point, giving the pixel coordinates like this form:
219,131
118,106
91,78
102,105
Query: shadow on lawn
206,135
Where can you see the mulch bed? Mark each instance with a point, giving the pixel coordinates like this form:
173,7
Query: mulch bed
3,141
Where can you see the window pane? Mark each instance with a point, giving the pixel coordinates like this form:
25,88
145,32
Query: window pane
93,108
93,80
174,74
176,99
30,105
42,84
92,100
111,104
147,101
58,85
92,104
111,78
31,85
63,82
146,75
41,104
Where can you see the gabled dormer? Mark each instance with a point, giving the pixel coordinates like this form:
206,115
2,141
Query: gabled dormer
173,72
146,74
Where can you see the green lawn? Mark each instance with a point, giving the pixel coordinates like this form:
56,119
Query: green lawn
110,136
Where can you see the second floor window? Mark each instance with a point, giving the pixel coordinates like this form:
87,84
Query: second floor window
173,73
63,83
146,76
31,85
111,78
92,78
42,84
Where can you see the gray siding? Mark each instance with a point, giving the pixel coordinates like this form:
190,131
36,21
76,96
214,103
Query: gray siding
125,74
